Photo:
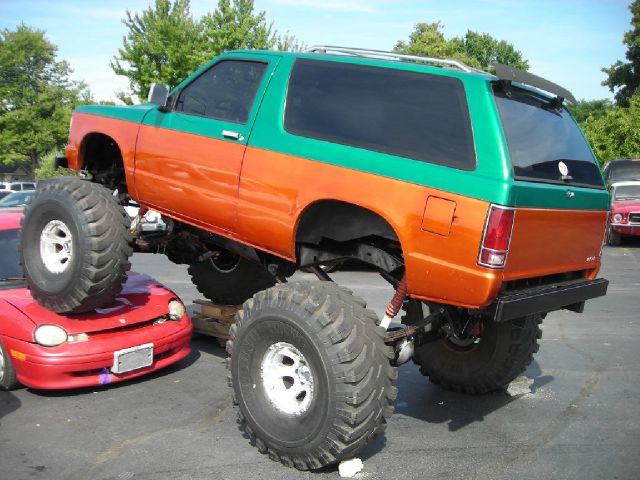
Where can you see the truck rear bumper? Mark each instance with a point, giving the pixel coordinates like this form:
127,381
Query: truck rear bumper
566,295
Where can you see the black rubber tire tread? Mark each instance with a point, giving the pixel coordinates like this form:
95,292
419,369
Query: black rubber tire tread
9,381
230,288
104,239
614,239
517,341
362,368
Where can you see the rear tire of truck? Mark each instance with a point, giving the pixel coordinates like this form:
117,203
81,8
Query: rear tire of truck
229,279
614,239
75,245
311,373
503,351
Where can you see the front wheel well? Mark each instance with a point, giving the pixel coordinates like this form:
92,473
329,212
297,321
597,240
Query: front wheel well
102,159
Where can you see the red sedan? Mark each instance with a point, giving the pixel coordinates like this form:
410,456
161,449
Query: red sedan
145,329
624,218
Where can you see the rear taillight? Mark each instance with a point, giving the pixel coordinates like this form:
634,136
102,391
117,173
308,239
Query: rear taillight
497,237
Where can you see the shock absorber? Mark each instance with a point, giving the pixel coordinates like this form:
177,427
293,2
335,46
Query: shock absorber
395,304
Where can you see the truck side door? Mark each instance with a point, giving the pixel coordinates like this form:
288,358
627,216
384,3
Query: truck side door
188,159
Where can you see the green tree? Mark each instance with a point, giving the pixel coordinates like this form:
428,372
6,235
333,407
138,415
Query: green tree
616,133
36,97
163,44
623,78
233,26
46,166
587,108
479,50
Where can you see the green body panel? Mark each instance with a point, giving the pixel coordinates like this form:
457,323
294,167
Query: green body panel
492,180
135,113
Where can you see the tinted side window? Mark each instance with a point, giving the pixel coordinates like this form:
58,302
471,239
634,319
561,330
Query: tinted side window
28,186
16,186
408,114
225,92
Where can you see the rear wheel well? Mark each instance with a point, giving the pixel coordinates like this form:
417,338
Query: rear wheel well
102,158
330,230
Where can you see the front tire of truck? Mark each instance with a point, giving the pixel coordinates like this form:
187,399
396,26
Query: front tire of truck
75,245
311,373
229,279
476,366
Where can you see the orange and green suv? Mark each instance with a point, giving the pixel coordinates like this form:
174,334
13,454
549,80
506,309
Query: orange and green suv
475,195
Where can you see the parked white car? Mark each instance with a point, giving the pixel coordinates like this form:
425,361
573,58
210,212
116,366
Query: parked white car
17,186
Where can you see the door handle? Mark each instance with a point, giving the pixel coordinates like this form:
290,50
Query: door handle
230,134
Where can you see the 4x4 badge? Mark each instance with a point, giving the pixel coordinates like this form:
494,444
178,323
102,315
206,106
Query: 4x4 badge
564,170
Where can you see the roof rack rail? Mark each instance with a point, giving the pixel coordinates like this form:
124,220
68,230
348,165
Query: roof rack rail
381,54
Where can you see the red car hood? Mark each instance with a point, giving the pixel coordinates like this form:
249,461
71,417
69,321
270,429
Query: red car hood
142,299
626,206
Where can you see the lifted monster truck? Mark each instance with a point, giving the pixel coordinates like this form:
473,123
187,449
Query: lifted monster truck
476,196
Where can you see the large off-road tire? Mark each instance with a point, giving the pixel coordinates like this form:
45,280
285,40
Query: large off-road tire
614,239
311,373
502,352
75,245
229,279
8,380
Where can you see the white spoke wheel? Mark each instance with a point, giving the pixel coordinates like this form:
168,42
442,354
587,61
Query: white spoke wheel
56,246
287,378
311,373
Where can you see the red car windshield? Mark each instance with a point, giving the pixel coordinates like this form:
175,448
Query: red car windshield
9,268
626,192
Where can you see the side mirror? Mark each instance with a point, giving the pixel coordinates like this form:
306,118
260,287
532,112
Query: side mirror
158,94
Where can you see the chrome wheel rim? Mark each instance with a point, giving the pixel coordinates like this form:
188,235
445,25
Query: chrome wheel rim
56,246
225,262
287,379
2,363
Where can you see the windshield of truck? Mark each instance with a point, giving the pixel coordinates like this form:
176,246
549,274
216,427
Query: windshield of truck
9,268
626,192
545,144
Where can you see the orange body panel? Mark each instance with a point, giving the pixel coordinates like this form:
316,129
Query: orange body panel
275,189
438,215
189,176
551,241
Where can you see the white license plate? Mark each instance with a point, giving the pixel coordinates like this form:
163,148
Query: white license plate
132,358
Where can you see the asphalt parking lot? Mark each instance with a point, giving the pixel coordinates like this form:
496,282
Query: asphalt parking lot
574,414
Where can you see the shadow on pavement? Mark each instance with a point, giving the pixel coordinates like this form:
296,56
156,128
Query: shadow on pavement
8,403
424,401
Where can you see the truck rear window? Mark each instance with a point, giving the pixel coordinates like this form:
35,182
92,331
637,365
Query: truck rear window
408,114
542,137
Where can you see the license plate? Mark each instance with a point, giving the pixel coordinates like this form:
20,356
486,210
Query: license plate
132,358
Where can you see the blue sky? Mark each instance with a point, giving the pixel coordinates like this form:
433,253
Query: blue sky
565,41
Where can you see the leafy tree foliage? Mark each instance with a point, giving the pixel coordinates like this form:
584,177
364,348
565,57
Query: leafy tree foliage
36,97
234,26
615,133
587,108
479,50
163,44
46,167
624,77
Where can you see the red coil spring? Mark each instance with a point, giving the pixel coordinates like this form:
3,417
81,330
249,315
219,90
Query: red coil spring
396,302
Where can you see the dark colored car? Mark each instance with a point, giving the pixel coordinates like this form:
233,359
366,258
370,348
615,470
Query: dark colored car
16,199
622,170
